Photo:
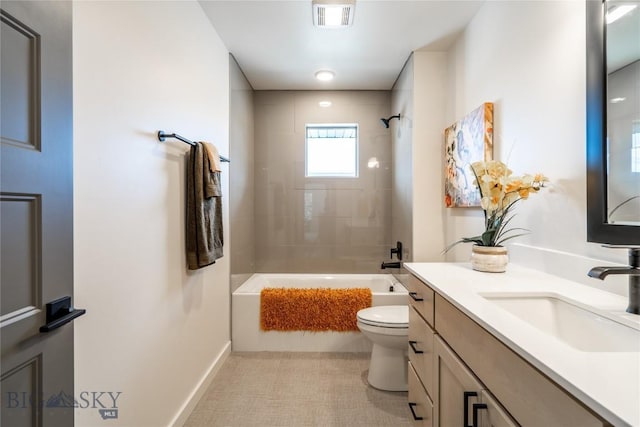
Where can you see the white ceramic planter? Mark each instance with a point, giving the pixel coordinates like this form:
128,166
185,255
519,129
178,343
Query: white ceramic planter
492,259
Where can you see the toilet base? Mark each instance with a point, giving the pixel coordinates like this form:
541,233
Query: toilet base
388,368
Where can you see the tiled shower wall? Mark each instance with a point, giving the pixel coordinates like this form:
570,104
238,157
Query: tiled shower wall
320,225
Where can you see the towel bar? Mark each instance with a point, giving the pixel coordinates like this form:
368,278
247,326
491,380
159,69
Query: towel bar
162,135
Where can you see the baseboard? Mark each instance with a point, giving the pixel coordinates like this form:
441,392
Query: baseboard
202,386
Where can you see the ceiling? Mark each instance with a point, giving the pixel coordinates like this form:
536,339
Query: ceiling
278,47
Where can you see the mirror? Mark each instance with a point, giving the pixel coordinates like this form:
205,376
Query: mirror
613,121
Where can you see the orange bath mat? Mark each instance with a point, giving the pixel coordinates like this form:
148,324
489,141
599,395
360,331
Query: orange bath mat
294,309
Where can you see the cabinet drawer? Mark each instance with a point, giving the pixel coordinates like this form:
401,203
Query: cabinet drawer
419,403
421,297
421,349
532,398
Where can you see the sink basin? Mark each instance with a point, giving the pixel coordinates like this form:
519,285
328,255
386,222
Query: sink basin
581,327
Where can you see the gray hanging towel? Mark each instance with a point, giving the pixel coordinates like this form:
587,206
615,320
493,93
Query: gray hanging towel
204,210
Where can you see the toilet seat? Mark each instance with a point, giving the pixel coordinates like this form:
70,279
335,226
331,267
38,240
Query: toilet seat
387,316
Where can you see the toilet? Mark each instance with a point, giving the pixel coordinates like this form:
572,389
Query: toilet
387,327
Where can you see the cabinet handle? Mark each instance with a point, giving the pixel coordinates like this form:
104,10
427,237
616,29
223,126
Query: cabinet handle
412,344
414,296
415,417
467,395
476,408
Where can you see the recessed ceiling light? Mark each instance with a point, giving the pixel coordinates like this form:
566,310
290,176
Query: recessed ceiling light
333,13
618,12
617,100
325,75
324,104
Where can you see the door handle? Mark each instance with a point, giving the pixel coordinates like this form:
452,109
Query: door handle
60,312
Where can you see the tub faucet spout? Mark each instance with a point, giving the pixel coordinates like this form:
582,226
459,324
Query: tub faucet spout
632,270
395,264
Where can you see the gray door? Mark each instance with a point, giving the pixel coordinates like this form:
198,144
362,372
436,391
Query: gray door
36,211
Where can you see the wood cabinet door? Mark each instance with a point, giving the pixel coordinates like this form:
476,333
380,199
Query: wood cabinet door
490,413
456,388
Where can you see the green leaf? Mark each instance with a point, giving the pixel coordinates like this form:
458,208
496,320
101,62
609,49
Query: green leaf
510,237
477,240
487,237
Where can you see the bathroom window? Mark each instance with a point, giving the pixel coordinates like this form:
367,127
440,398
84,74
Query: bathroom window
331,150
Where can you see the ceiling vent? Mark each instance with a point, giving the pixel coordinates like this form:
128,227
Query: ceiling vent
333,13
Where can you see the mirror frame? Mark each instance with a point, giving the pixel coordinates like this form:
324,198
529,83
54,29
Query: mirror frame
598,228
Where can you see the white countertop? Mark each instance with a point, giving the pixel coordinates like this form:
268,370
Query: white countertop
607,382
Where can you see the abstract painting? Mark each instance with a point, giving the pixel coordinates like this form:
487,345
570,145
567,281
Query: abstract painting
466,141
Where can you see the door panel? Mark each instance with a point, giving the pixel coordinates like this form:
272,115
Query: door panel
36,211
20,248
20,83
453,380
494,415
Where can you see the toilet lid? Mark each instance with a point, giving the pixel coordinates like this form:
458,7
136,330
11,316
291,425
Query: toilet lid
385,316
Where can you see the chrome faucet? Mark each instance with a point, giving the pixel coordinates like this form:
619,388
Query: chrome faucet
632,270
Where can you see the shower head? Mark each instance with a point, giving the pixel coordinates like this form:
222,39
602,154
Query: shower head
385,122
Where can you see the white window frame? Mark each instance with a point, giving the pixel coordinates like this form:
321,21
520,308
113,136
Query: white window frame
329,126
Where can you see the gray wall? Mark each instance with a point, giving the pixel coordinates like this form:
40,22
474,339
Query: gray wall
241,176
320,225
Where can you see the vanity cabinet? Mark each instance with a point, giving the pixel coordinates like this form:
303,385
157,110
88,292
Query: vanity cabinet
419,403
469,378
491,413
421,350
461,399
422,299
457,390
421,340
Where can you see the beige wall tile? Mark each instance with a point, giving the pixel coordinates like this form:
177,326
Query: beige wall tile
320,224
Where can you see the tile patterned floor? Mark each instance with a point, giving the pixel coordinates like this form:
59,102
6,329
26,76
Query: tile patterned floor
274,389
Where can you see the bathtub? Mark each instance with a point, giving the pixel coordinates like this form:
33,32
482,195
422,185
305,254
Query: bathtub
245,312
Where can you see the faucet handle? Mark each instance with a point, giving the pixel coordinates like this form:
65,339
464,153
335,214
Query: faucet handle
397,250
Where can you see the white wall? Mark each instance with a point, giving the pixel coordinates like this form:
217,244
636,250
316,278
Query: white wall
417,214
430,78
152,331
528,58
